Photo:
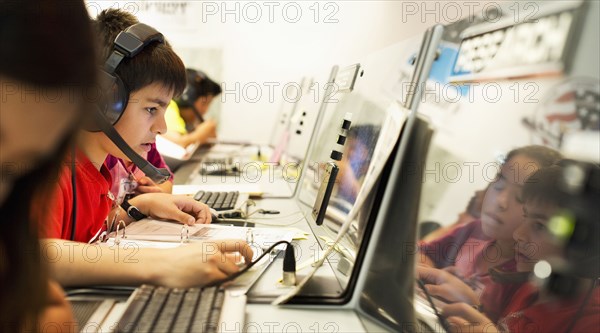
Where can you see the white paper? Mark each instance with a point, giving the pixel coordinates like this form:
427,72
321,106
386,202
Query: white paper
154,230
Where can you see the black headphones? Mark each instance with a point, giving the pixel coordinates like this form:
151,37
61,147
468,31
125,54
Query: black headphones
191,93
115,95
112,103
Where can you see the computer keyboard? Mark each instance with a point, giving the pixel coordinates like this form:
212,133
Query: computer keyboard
219,166
160,309
218,200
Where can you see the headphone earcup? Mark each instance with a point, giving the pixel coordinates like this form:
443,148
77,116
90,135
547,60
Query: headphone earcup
188,97
111,102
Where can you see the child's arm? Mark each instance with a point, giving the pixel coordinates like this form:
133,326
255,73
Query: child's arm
146,185
166,206
442,284
195,264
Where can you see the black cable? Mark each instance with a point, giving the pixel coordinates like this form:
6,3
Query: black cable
582,306
441,319
245,269
74,188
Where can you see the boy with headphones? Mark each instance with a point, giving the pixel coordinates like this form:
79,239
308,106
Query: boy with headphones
141,75
185,115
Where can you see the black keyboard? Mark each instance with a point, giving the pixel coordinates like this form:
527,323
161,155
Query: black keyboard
219,166
218,200
160,309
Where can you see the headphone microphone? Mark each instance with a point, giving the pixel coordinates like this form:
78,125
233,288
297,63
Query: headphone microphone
115,94
158,175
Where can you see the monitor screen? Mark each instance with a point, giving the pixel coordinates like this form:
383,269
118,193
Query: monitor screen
488,209
381,81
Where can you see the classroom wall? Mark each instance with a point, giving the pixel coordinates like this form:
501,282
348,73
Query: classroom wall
257,48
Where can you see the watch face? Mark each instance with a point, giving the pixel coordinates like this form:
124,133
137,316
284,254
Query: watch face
571,106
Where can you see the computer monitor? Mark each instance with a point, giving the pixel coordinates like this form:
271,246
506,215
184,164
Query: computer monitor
502,102
286,111
303,124
363,256
367,94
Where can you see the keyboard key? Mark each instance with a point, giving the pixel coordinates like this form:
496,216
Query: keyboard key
218,200
134,310
163,324
159,309
152,310
198,195
203,312
188,307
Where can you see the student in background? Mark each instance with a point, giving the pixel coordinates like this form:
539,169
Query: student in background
471,213
531,309
471,250
185,116
129,178
41,104
81,212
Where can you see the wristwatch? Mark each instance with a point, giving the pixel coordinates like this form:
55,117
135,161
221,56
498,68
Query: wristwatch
132,211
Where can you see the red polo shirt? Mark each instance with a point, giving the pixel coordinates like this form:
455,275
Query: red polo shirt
93,201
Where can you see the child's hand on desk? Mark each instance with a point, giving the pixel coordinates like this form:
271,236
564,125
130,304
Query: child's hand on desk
440,283
201,263
464,318
146,185
178,208
205,131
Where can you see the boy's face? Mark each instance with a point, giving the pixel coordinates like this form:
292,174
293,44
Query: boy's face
502,207
143,119
534,240
202,103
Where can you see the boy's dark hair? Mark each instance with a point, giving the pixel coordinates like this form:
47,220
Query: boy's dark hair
198,85
544,156
542,186
206,86
156,63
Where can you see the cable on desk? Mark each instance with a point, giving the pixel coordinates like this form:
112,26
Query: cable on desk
250,265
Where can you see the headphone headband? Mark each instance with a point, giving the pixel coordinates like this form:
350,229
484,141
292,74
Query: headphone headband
115,94
130,42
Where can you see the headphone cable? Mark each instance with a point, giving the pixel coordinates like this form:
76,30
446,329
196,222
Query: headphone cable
74,188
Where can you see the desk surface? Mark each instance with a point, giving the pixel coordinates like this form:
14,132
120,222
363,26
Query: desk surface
262,316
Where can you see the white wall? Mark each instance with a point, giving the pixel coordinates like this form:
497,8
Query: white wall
275,50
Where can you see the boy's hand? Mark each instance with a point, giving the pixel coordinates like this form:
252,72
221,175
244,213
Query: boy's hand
205,131
146,185
178,208
463,318
442,284
198,264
